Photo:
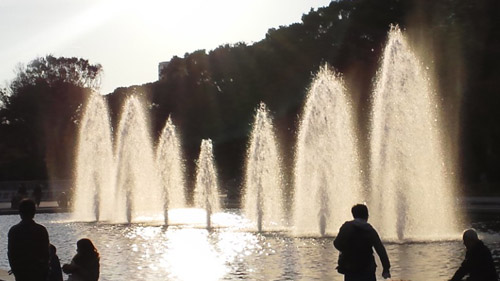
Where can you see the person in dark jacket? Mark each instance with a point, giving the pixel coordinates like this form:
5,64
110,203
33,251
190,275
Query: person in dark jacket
478,263
28,246
85,264
355,241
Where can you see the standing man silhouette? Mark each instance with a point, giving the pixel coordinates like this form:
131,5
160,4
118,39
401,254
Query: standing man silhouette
355,241
28,246
478,263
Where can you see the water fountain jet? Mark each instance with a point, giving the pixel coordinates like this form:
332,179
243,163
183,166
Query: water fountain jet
327,168
138,186
93,183
263,190
170,169
206,194
411,191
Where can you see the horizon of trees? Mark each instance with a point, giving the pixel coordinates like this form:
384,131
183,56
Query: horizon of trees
214,95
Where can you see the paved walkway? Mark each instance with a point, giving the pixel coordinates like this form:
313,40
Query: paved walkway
43,204
45,207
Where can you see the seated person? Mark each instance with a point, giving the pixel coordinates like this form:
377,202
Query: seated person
85,264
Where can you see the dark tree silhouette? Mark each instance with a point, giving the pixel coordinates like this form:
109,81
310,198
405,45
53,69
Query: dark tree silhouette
40,116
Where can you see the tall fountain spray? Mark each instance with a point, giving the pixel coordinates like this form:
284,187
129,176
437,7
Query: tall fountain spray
206,194
327,168
93,183
411,190
139,193
263,191
170,169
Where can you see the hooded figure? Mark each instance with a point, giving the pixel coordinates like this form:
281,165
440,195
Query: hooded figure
355,241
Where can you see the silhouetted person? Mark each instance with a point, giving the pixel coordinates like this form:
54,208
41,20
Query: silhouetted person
478,263
355,241
28,246
62,200
85,264
55,272
37,195
16,199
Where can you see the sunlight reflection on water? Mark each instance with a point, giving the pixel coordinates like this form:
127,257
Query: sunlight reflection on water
229,252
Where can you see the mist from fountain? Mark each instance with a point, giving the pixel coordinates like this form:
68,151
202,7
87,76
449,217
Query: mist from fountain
262,200
206,192
412,192
327,167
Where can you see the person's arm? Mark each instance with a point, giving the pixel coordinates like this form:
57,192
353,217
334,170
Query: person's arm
462,270
71,267
340,241
56,268
14,250
382,253
11,252
89,271
46,242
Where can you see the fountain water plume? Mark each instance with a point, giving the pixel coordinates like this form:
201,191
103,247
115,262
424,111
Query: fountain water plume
263,192
206,194
170,169
92,177
412,192
139,194
327,168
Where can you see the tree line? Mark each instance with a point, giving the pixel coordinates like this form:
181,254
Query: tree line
214,94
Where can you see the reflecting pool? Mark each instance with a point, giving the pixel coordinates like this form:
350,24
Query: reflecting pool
188,251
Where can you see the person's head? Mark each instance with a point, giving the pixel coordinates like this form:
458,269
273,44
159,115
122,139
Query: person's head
86,247
27,209
470,238
360,211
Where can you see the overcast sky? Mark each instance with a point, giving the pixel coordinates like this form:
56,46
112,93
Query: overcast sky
129,38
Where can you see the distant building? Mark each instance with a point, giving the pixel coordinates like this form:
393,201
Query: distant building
161,66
